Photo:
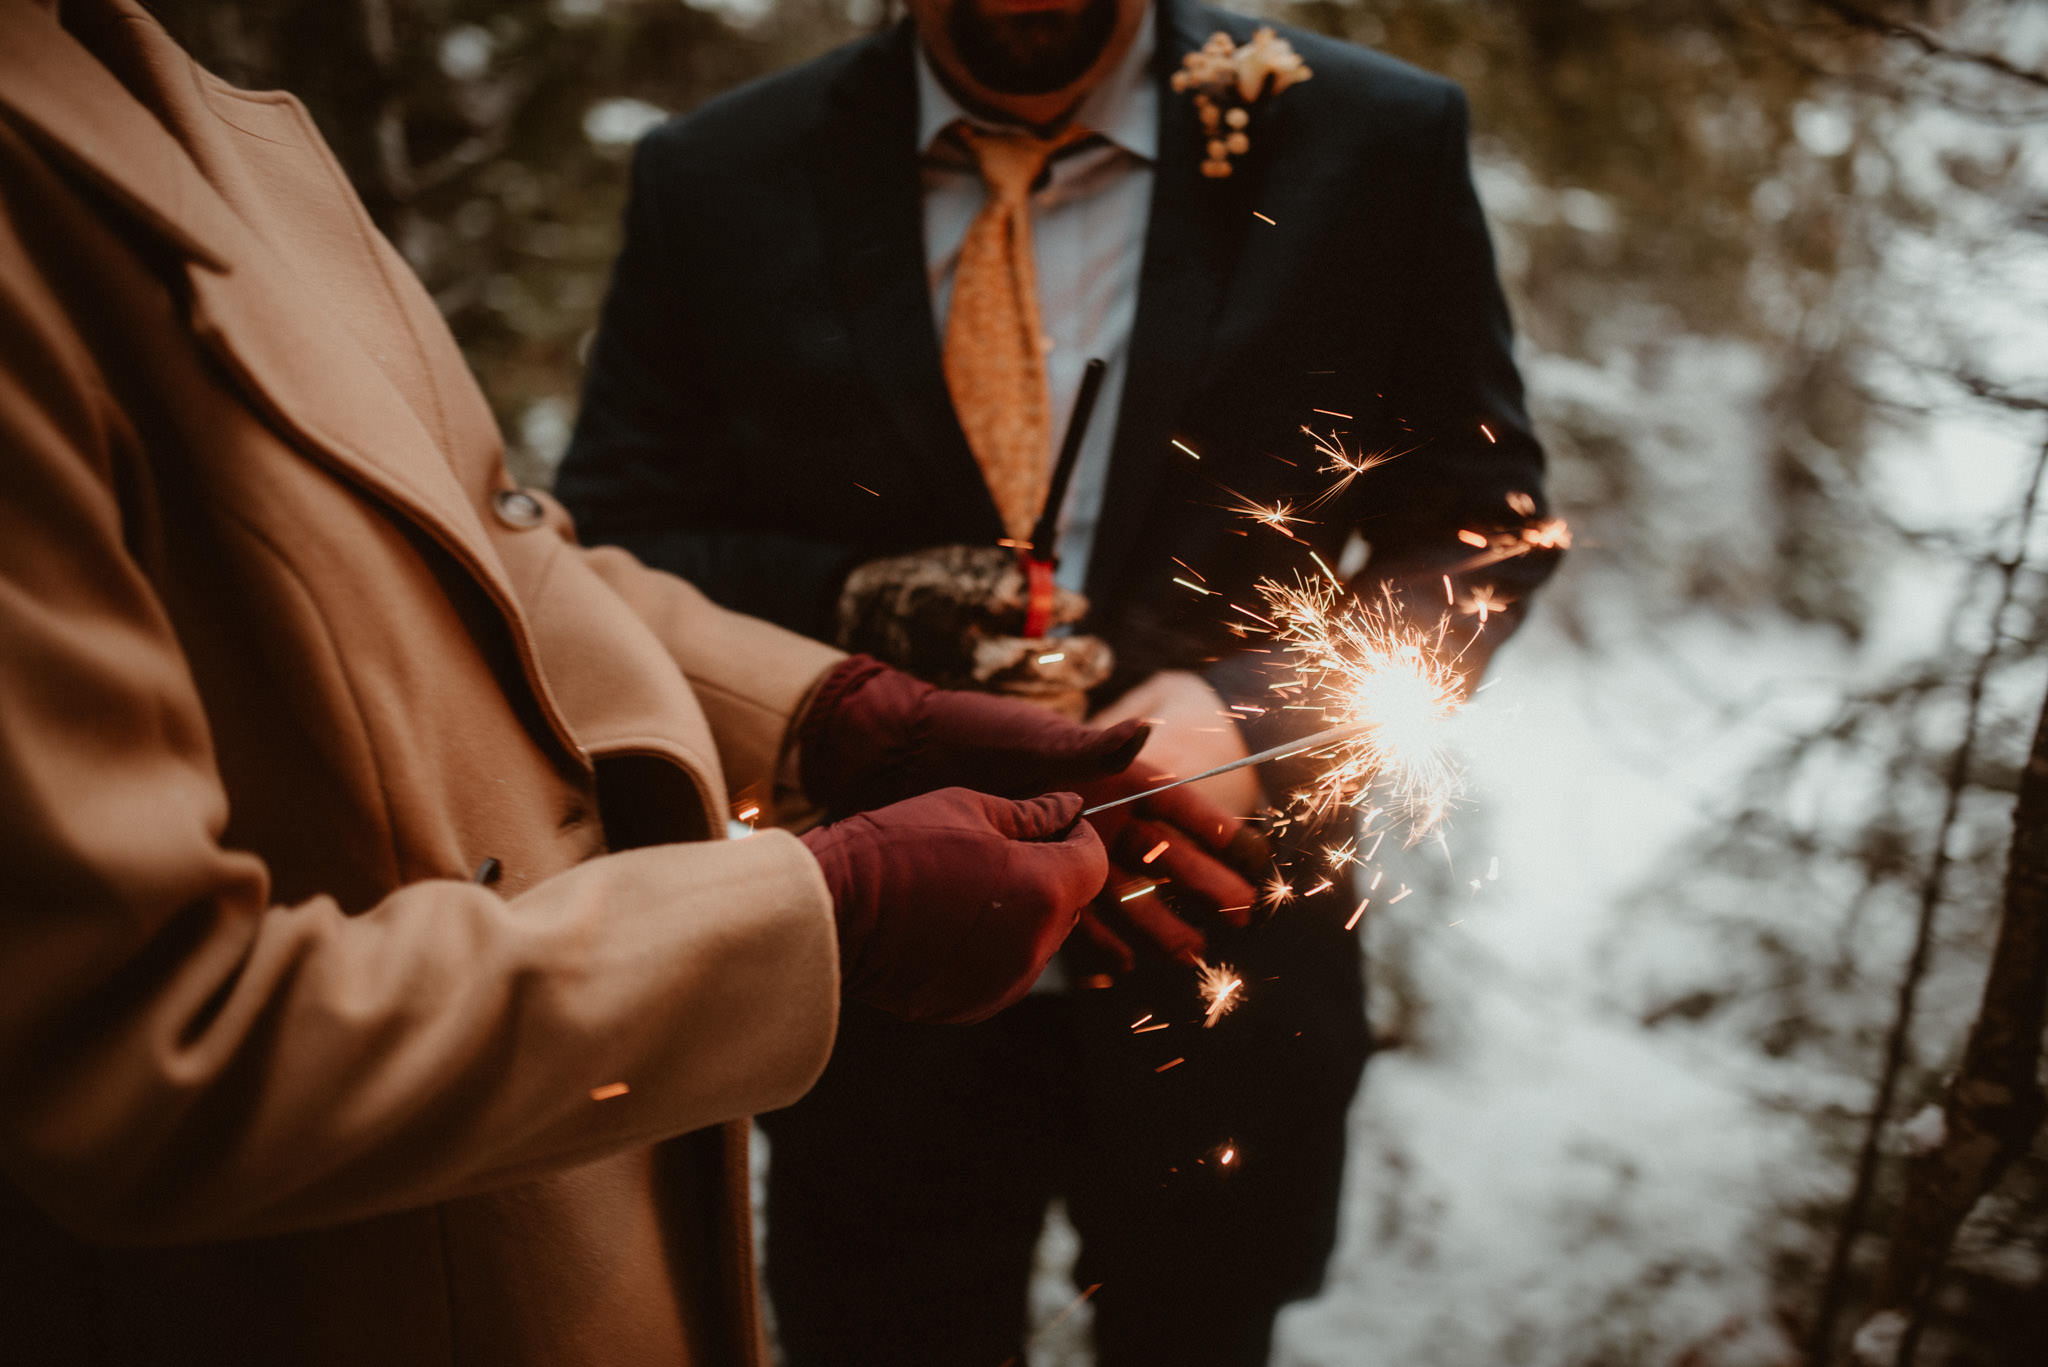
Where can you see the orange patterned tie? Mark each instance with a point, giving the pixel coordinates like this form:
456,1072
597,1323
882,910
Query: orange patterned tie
995,355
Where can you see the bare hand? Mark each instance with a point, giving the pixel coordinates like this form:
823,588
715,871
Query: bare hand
1191,731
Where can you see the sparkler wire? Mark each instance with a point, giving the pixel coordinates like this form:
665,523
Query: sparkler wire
1286,750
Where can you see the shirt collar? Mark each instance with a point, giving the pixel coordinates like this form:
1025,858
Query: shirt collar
1124,108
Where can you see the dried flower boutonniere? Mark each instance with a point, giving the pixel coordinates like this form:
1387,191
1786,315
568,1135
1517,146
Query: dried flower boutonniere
1228,80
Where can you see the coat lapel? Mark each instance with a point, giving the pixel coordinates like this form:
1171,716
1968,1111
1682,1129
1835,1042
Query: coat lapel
870,206
1191,246
300,370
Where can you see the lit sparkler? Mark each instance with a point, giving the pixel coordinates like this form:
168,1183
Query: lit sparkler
1388,681
1222,989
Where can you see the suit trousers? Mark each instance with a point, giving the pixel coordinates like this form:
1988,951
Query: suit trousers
1201,1166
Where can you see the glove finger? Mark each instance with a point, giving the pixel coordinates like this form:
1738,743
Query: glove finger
1066,872
1151,917
1050,816
1188,866
1096,932
1113,750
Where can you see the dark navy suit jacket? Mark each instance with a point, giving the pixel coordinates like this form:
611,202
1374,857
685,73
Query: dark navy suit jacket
767,354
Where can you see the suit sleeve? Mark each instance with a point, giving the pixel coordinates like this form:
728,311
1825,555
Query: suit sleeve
1471,460
639,471
182,1060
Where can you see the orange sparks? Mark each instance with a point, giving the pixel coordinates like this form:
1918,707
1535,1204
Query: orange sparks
1141,1020
608,1091
1013,543
1221,988
1482,603
1187,448
864,488
1137,892
1358,913
1473,539
1279,891
1170,1063
1262,218
1196,587
1332,413
1227,1156
1400,896
1150,1028
1161,848
747,813
1449,597
1364,665
1523,504
1489,433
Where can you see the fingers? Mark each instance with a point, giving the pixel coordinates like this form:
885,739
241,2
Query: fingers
1067,872
1096,932
1048,817
1165,851
1117,747
1151,917
1199,816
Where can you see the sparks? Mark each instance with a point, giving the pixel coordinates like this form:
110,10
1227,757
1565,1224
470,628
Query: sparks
1161,848
1222,989
1390,680
1262,218
1185,447
1353,922
1053,658
608,1091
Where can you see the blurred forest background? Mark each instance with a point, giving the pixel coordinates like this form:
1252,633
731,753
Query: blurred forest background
1781,268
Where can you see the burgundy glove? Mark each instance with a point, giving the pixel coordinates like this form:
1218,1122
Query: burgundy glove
874,735
949,904
1206,850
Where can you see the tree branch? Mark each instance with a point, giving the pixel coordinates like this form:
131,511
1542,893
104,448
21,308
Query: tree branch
1932,891
1929,42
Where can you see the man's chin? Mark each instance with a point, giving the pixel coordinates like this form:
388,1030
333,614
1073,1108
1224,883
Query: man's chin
1031,47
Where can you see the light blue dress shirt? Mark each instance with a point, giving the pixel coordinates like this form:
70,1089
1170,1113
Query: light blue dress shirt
1088,242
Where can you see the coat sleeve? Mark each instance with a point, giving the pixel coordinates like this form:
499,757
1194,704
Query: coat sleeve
182,1060
1471,451
639,473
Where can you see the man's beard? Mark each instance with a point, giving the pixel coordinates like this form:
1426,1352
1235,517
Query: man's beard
1033,53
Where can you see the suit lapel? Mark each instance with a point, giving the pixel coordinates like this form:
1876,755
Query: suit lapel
870,205
1191,246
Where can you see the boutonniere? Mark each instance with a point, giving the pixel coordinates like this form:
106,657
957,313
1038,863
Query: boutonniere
1228,80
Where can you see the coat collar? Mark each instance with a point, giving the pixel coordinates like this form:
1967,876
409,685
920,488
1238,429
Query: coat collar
303,373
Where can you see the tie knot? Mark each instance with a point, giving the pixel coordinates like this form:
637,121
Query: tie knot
1011,161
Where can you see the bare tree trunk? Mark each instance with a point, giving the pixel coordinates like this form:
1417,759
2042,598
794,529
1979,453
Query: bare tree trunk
1834,1285
1995,1104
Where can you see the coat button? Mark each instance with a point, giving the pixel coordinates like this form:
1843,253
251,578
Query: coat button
518,509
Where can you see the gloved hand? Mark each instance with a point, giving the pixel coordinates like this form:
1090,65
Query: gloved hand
873,735
949,904
1206,854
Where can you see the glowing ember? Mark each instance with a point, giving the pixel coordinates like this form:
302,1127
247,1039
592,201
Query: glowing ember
1221,988
1391,681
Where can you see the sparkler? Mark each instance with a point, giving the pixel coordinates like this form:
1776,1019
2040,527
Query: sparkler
1222,989
1392,689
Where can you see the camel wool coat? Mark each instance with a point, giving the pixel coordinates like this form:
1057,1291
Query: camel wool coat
377,985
